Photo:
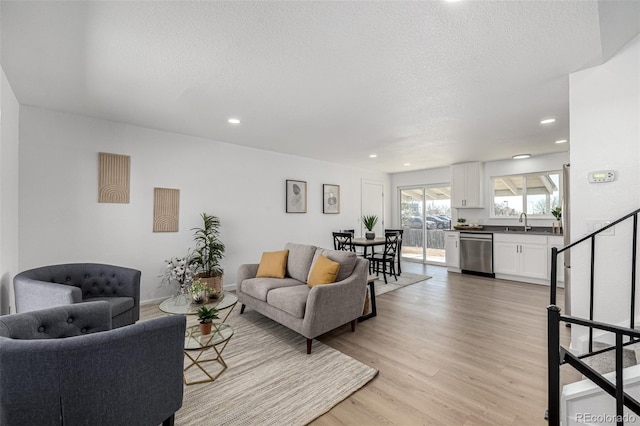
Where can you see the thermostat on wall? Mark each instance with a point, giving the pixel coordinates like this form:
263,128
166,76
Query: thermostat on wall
602,176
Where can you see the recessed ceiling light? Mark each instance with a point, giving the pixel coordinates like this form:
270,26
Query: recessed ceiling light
407,164
233,121
521,156
373,155
561,141
548,121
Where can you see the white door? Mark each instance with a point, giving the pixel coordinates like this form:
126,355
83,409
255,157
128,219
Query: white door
372,203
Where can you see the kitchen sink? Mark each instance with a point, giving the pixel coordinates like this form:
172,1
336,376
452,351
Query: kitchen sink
519,230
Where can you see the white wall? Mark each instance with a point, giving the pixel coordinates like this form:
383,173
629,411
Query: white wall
8,193
605,134
439,175
61,220
492,168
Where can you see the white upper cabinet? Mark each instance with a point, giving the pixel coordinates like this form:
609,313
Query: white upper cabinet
466,185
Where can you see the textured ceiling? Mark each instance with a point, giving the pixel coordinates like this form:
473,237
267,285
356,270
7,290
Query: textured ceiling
429,83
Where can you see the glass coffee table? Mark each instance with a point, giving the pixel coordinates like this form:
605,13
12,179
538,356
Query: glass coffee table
182,304
196,345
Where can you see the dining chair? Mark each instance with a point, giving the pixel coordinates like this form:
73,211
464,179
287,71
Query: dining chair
387,257
342,241
399,253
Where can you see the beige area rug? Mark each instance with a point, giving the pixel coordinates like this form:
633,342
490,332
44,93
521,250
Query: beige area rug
404,280
270,380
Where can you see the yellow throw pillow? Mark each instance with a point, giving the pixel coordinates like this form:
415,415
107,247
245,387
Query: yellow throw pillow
324,271
273,264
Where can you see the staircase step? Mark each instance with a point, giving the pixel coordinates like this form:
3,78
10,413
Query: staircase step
606,362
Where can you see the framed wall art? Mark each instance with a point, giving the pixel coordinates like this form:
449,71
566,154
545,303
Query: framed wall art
166,208
296,196
113,178
330,199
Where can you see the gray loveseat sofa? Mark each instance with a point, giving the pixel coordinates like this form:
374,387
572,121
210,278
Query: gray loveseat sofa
65,284
65,366
308,311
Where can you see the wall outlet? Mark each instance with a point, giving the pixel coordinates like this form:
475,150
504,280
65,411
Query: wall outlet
594,225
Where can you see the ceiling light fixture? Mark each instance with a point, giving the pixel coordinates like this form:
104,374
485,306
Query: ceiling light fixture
548,121
373,155
521,156
233,121
407,164
561,141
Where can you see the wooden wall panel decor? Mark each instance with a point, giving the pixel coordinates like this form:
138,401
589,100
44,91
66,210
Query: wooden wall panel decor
166,206
113,178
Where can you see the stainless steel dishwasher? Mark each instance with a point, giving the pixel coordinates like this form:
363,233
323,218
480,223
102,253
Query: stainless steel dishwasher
476,253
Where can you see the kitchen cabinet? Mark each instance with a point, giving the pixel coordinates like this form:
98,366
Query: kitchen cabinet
466,185
524,256
452,248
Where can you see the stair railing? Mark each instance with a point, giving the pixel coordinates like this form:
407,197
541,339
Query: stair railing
558,355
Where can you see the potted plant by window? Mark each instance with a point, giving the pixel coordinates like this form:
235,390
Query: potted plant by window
369,221
208,252
206,317
557,225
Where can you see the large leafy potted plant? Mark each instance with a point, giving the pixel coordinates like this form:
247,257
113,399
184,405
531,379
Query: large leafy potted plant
369,221
208,252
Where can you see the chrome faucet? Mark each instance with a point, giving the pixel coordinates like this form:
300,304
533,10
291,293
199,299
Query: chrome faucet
526,227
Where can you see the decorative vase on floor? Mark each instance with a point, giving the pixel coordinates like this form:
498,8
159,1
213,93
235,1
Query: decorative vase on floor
370,235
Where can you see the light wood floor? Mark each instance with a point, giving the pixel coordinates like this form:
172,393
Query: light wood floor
453,350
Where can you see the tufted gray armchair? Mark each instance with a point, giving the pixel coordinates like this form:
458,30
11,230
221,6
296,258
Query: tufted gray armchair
56,285
64,366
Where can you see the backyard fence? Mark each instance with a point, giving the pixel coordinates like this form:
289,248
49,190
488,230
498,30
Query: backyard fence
414,238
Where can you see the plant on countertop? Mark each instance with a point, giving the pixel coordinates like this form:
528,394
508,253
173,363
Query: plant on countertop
207,315
462,220
557,213
369,221
209,249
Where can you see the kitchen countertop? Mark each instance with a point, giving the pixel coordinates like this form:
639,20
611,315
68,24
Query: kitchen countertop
535,230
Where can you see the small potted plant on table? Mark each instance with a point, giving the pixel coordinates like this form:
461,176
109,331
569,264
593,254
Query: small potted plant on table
369,221
199,291
206,317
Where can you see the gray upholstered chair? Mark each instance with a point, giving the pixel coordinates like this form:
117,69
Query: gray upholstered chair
64,366
56,285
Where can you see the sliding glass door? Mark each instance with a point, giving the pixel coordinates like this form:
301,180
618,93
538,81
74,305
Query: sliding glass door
425,212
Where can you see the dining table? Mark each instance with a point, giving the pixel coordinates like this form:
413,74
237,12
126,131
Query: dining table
366,243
